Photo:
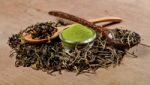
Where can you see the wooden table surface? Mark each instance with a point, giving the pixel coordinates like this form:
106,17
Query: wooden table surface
16,15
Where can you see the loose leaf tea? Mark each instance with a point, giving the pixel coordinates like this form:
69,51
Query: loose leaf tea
42,30
51,56
126,37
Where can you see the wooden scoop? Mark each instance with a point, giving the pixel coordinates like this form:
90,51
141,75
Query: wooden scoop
28,37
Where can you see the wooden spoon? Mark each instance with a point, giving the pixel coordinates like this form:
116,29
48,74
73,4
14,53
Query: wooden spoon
28,37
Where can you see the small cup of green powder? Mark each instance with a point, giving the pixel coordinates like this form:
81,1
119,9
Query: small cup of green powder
77,34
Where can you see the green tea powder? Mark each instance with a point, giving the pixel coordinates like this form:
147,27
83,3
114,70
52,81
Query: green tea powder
77,32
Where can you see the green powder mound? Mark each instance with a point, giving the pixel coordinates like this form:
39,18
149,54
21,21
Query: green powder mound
77,32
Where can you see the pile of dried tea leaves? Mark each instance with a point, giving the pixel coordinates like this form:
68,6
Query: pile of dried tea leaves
51,56
126,36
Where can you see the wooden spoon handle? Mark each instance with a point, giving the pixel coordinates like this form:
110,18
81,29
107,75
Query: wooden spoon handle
106,19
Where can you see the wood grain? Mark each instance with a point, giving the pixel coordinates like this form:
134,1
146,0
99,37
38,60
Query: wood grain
16,15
